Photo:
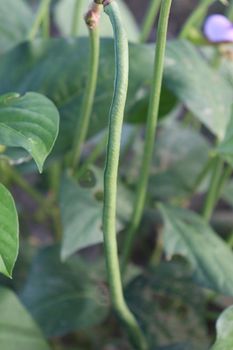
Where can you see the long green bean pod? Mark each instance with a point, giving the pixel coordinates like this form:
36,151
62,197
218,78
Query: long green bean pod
92,20
150,131
110,178
76,17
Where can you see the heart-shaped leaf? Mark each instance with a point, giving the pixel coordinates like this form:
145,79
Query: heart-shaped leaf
188,235
9,232
18,331
30,121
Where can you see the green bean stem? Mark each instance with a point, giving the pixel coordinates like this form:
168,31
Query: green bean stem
196,17
230,11
149,20
150,131
92,19
213,189
40,17
110,178
76,17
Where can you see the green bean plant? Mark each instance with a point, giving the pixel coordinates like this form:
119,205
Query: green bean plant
125,240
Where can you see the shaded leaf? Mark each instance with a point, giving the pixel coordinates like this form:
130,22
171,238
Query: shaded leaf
82,211
64,297
18,331
169,306
16,20
180,155
225,148
30,121
188,235
9,232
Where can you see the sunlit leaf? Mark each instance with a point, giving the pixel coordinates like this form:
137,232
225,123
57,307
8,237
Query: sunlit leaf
224,327
30,121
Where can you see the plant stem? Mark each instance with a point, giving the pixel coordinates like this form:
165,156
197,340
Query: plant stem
213,189
203,174
89,94
46,24
110,179
230,11
94,155
196,17
150,131
148,22
223,179
41,14
76,17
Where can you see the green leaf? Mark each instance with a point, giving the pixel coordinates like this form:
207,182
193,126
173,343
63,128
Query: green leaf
64,297
30,121
18,331
81,217
64,83
176,167
16,20
224,327
82,211
187,75
9,232
188,235
64,23
225,148
203,90
157,297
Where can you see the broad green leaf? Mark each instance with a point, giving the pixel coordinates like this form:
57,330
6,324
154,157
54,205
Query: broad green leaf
15,22
64,297
224,327
18,331
180,155
187,75
187,234
9,232
157,296
227,194
81,217
31,122
203,91
64,23
42,67
82,211
225,148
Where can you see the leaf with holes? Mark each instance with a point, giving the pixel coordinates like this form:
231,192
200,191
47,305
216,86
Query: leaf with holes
9,232
30,121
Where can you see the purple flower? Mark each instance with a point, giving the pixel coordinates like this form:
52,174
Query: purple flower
218,29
